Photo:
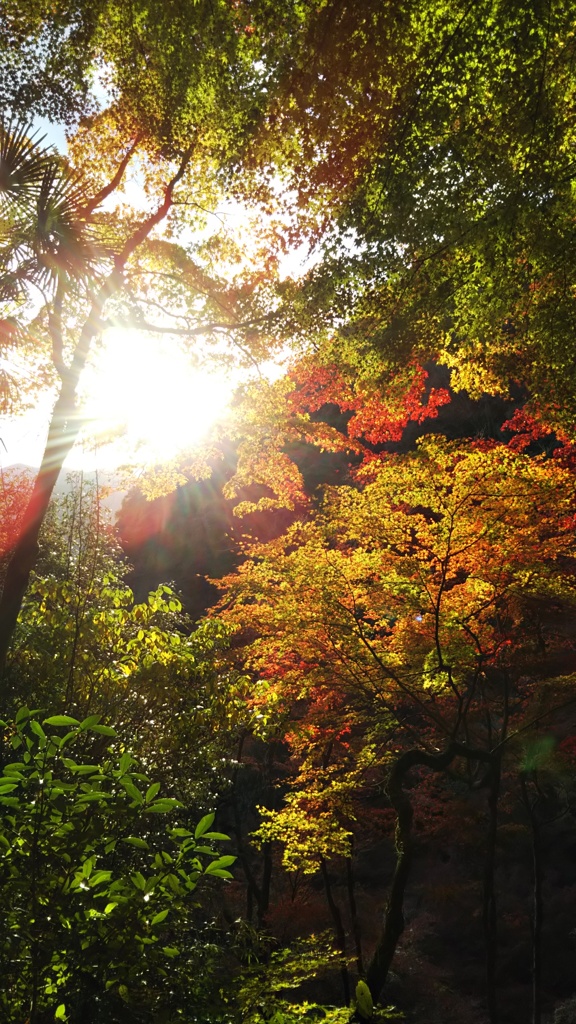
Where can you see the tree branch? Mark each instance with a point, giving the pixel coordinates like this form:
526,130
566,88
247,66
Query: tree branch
394,914
113,184
184,332
155,218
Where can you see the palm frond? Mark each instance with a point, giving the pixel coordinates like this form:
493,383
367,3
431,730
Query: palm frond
44,230
64,241
23,160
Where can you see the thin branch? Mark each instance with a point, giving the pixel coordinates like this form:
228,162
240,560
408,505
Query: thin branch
155,218
93,324
184,332
113,184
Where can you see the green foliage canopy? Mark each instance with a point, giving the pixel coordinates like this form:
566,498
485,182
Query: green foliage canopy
430,150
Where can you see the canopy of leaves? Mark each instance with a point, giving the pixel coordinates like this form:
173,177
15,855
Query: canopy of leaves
430,149
399,613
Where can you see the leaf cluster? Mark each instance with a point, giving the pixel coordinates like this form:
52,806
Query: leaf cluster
94,887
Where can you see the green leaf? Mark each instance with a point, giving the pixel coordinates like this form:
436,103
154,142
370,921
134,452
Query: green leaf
140,844
203,825
90,798
109,907
125,761
66,739
132,791
364,1001
220,862
90,721
60,1012
100,876
37,729
60,720
104,730
159,917
215,835
163,806
152,791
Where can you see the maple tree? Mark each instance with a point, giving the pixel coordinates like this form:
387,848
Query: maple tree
392,635
388,630
437,240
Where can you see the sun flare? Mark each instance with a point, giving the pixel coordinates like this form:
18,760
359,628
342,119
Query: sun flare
146,393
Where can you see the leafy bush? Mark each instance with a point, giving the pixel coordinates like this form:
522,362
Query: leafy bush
96,888
265,993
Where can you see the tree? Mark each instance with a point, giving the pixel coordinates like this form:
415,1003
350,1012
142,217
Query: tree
437,190
182,105
390,631
15,489
168,72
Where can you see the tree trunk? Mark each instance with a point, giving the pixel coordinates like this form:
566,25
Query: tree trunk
537,925
489,896
338,928
537,903
354,914
394,914
64,425
63,431
264,898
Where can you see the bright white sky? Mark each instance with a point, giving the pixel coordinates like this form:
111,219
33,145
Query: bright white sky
146,388
141,387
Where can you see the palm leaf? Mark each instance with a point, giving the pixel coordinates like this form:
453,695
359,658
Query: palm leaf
64,242
44,233
23,161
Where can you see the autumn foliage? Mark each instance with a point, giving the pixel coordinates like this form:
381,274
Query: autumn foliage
406,623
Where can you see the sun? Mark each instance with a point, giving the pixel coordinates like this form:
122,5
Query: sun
146,392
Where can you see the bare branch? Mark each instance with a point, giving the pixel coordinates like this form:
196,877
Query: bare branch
113,184
155,218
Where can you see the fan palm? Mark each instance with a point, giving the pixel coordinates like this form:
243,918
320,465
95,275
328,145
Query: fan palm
45,234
